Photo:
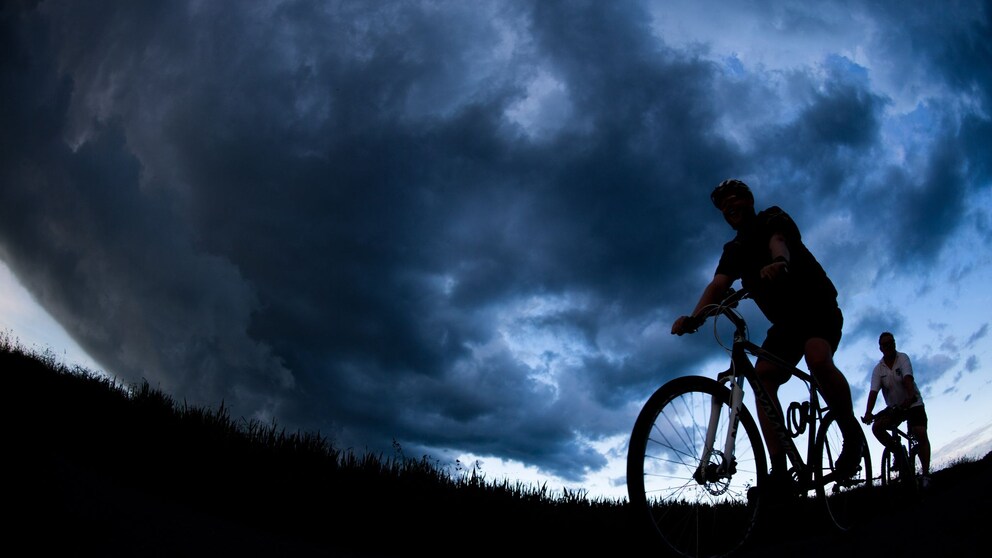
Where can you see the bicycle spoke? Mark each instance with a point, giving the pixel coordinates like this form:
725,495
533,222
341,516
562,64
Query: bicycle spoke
682,441
697,508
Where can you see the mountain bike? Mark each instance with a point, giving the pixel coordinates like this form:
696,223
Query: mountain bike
902,467
696,465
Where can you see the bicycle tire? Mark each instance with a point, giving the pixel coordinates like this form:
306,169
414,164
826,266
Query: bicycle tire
914,471
713,518
845,499
911,481
888,472
917,463
893,473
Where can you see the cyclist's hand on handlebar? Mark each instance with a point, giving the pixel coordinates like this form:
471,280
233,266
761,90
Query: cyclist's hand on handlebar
686,324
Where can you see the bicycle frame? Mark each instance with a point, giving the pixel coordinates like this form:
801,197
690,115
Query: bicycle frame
910,445
690,480
899,434
742,370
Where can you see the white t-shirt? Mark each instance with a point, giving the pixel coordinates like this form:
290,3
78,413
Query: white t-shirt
890,381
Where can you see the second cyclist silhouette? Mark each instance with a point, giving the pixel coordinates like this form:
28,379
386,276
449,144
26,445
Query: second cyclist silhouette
893,375
794,292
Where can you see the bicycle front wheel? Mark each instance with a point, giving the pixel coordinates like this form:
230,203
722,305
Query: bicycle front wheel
890,472
898,471
694,507
845,497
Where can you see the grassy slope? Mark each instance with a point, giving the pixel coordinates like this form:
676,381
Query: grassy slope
116,473
100,470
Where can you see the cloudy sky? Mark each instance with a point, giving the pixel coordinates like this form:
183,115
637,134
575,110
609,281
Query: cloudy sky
467,226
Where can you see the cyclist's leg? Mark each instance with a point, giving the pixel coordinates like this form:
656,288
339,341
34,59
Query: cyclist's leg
917,422
923,442
832,383
771,378
837,394
779,487
894,455
821,330
780,342
883,423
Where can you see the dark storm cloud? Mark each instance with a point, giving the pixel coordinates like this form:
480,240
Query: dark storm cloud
958,162
871,321
462,226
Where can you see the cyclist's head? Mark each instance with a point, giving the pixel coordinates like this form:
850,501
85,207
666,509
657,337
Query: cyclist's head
730,187
886,341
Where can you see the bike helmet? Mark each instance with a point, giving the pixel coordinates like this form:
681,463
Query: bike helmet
730,187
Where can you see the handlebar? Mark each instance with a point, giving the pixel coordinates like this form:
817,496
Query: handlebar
730,300
733,297
691,324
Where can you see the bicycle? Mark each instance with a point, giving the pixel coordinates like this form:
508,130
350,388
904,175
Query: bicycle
696,463
901,467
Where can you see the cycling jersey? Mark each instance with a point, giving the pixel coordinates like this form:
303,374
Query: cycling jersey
890,381
805,289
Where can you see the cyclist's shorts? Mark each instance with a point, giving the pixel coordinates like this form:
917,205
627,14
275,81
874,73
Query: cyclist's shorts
787,339
914,416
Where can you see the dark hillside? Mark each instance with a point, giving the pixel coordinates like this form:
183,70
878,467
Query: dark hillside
129,472
103,470
952,518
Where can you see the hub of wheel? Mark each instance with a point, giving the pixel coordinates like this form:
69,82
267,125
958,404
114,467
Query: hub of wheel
715,475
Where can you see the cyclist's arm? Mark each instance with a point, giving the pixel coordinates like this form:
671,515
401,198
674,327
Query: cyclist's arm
872,396
712,294
909,385
779,251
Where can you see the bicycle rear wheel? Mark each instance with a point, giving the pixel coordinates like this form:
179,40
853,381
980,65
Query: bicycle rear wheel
706,514
845,497
917,466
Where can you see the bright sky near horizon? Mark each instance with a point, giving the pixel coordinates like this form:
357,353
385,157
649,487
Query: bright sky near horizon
467,227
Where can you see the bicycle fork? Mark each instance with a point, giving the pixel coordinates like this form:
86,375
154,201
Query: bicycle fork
714,464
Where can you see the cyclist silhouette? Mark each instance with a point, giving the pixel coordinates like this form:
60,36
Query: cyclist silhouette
794,292
893,375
